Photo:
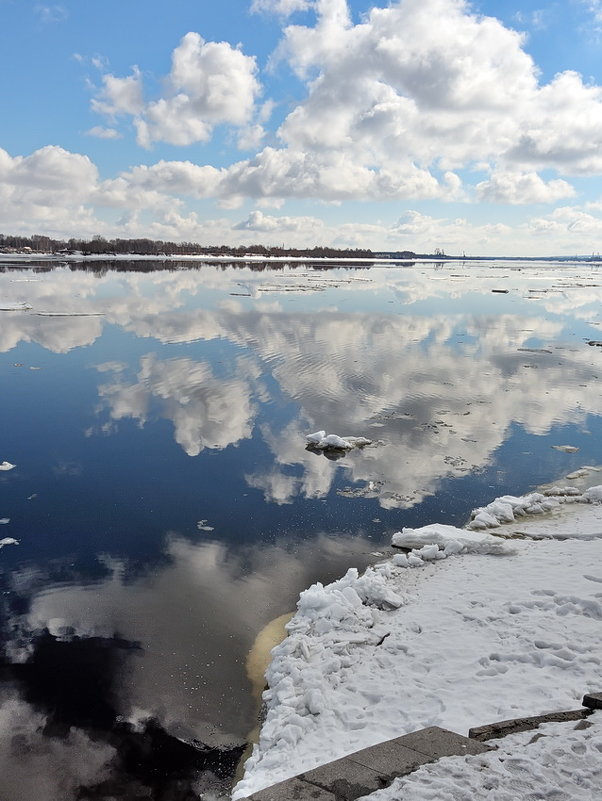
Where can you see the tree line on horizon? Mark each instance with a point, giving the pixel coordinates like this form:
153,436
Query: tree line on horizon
98,245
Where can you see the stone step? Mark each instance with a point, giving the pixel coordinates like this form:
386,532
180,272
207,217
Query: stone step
371,768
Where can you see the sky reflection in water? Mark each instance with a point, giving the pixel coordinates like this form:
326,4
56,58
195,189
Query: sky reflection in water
166,506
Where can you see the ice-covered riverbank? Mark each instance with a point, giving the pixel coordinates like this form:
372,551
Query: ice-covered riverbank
464,630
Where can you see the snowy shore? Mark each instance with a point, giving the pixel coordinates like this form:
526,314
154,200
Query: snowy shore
558,762
497,620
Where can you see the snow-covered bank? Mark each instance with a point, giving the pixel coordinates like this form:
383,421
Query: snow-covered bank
559,762
476,634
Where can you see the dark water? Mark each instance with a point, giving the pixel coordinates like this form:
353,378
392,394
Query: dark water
166,507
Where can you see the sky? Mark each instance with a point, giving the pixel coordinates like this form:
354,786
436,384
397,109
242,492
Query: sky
475,128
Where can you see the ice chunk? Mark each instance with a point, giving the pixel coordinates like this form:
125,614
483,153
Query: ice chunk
8,541
506,508
358,442
322,441
7,466
593,494
581,473
9,305
460,540
334,441
4,521
562,491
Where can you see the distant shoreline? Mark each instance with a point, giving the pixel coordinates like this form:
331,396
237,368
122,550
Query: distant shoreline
24,258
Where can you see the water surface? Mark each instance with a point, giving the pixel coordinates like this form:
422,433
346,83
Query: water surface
166,507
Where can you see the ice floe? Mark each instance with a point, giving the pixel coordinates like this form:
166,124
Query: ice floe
8,541
14,306
321,441
7,466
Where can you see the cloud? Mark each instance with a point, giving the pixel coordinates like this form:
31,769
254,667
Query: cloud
120,95
393,112
283,8
49,14
262,223
210,83
517,188
594,7
389,95
50,187
103,133
251,137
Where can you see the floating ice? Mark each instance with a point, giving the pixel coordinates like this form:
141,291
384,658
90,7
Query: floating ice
8,541
7,466
4,521
321,441
566,448
581,473
584,471
14,306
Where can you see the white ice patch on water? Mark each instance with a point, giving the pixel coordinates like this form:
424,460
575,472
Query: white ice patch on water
8,305
8,541
321,441
7,466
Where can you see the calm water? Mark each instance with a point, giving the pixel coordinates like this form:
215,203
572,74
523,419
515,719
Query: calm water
167,510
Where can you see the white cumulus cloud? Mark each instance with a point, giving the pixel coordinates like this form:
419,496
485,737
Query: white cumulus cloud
210,83
520,187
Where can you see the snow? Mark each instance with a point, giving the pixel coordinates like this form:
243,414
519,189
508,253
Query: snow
7,466
321,441
508,507
483,629
558,762
449,540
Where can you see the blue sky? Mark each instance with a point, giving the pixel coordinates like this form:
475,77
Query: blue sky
417,124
